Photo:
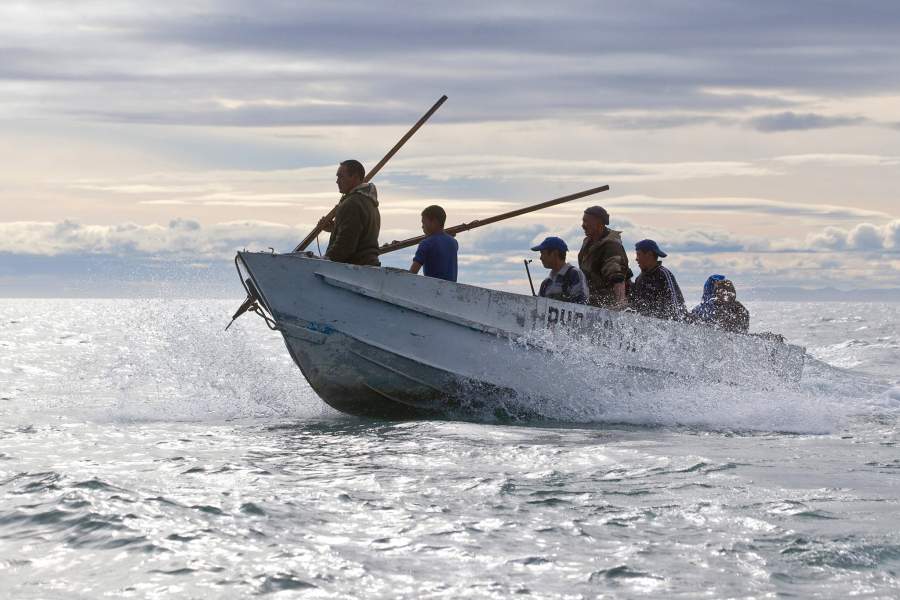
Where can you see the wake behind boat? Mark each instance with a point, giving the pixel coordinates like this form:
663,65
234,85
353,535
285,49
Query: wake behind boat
381,342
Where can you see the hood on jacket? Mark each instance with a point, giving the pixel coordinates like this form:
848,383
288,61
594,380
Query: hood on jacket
709,288
611,234
366,189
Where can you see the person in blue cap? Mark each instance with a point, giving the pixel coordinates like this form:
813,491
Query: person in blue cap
566,283
655,293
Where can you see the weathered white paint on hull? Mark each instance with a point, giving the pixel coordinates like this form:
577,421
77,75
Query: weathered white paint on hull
383,342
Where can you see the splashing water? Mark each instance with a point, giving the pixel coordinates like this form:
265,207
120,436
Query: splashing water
153,359
597,392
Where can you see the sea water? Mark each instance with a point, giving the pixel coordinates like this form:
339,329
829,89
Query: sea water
146,453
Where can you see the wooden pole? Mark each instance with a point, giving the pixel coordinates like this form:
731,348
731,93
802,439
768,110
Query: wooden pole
374,170
481,223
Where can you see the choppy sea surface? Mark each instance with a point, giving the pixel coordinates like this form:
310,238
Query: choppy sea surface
145,453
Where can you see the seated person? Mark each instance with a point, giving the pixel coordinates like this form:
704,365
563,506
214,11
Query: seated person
709,292
566,283
437,252
655,292
720,307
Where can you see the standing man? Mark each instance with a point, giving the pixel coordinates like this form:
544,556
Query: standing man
354,230
565,282
437,252
655,292
603,260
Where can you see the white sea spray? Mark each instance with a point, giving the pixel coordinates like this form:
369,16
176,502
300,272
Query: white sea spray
598,390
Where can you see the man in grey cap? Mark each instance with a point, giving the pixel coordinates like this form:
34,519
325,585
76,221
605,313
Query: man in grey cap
655,292
603,260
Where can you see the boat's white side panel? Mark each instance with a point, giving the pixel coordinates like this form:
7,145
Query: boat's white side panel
378,334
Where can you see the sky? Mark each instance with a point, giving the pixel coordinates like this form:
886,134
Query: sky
142,143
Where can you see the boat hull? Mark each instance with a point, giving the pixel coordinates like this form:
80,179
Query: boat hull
381,342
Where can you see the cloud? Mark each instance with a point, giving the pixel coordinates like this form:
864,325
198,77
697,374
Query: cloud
830,238
504,167
275,63
659,119
791,121
254,113
495,258
863,237
495,240
248,199
866,236
740,205
828,258
68,258
180,239
443,179
145,188
516,241
710,241
186,239
846,160
184,182
892,235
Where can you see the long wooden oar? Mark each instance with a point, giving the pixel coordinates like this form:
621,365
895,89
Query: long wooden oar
372,172
482,222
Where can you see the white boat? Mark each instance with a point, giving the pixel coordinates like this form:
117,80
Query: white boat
382,342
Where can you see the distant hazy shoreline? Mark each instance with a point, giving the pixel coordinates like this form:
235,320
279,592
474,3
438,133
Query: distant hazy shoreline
782,294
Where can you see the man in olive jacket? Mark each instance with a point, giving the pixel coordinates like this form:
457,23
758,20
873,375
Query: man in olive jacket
354,237
603,260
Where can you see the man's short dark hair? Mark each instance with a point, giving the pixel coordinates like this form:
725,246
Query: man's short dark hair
435,213
561,254
354,168
598,212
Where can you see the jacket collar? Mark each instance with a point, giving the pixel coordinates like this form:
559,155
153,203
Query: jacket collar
653,268
562,270
365,189
608,234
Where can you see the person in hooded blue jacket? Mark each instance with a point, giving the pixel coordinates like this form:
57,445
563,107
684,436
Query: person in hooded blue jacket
720,307
704,310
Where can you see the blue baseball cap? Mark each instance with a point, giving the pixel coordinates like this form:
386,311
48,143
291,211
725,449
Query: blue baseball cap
552,243
650,246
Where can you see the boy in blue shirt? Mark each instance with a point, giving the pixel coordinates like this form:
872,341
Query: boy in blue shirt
437,252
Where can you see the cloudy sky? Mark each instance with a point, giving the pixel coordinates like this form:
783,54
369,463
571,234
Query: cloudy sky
143,143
